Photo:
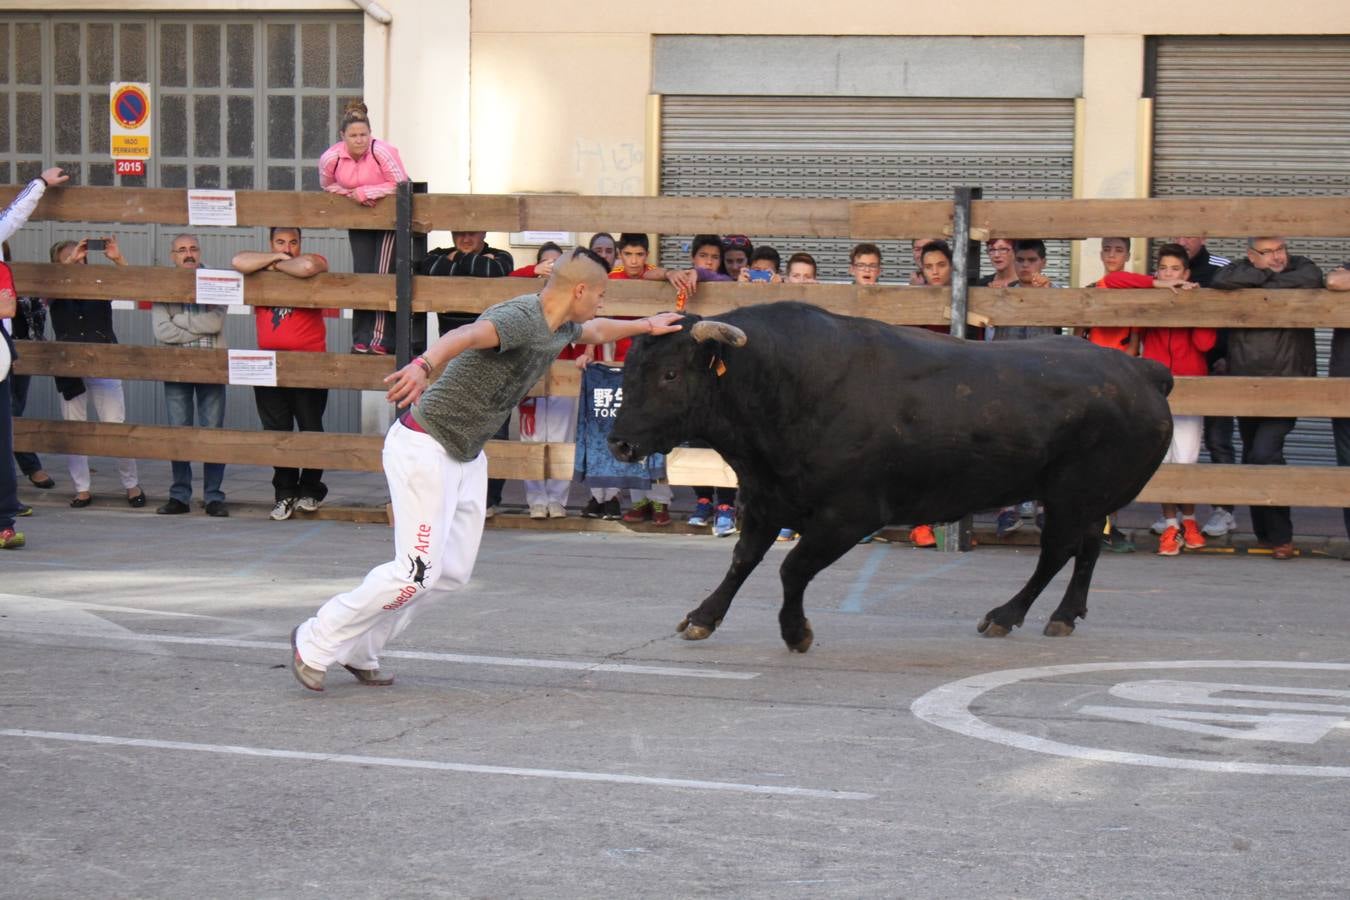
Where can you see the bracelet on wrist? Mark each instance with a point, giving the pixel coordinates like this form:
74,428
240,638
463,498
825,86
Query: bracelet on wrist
422,361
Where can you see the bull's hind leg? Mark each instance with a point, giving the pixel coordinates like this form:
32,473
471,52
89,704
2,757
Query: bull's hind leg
757,535
815,551
1074,604
1060,540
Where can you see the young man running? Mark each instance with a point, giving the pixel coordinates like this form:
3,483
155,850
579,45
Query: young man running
433,458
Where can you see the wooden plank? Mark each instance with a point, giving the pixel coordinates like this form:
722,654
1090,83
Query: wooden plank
468,212
173,285
317,370
322,450
687,215
900,219
1317,486
1210,216
166,206
1271,397
1161,308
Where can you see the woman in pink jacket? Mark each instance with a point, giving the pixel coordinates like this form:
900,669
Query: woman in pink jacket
364,170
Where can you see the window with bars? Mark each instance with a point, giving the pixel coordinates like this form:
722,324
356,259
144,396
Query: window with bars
238,102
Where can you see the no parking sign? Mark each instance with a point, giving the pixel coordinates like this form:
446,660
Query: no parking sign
129,113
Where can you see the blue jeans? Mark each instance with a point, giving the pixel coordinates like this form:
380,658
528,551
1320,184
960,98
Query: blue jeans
209,413
18,384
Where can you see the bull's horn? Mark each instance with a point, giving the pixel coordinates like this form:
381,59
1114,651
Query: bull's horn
710,330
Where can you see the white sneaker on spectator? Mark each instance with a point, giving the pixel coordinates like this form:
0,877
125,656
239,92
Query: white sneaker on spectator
282,510
538,511
1027,509
308,504
1220,522
1159,526
489,512
557,511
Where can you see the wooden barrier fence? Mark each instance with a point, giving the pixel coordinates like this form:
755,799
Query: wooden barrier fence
1302,486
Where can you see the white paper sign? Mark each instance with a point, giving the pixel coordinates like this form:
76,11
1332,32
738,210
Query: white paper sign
222,287
212,208
255,367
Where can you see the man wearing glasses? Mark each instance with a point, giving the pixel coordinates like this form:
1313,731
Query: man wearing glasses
864,264
1264,352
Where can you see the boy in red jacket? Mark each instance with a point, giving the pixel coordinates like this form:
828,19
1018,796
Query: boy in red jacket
1182,350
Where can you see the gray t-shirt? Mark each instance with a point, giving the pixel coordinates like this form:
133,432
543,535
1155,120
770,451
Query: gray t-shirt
479,388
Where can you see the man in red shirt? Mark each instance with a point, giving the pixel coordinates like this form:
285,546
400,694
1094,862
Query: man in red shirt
287,328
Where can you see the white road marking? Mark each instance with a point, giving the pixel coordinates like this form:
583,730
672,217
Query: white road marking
948,707
433,765
465,658
20,601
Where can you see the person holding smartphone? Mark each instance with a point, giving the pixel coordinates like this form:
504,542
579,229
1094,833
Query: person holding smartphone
764,267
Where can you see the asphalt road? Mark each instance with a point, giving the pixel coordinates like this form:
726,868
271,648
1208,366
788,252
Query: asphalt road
550,735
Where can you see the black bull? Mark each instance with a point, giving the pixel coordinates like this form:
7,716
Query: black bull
837,426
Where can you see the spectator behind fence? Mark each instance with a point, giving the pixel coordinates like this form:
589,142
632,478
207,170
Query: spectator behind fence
765,267
544,419
712,506
363,170
1218,434
1000,252
12,218
1339,280
471,257
864,264
1183,351
602,245
287,328
801,269
1028,267
188,404
916,247
433,457
737,251
90,322
1266,352
29,324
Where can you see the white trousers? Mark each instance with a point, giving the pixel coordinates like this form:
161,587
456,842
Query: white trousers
1186,433
438,523
554,419
110,406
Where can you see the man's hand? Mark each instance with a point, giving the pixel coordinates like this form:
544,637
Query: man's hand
683,280
543,269
113,252
664,323
585,359
9,304
54,176
1039,281
407,384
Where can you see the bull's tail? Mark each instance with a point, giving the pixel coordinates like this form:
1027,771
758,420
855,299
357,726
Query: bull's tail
1158,375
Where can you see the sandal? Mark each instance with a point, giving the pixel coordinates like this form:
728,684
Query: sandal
137,501
46,482
81,502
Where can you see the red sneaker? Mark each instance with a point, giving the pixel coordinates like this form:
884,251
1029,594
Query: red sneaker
641,512
11,539
1170,542
1190,535
922,536
660,513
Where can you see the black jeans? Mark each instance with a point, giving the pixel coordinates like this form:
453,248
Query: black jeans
1219,442
1340,432
1263,445
18,392
284,408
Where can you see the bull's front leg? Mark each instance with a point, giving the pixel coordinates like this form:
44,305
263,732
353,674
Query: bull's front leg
757,535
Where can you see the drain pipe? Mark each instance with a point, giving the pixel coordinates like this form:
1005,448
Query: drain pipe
375,11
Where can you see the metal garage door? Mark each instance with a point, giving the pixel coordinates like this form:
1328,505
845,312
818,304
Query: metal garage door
865,148
1258,117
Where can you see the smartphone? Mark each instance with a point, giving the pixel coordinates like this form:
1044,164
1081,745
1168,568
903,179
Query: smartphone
96,244
761,275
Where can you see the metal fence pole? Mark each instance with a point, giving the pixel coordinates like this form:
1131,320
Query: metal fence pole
959,535
403,263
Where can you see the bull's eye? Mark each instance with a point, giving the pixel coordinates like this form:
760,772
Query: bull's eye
670,375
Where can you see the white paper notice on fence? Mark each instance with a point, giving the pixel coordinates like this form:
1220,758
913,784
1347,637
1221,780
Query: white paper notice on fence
212,208
220,287
255,367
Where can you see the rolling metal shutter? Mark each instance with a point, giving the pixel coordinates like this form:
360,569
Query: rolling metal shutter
1265,117
864,148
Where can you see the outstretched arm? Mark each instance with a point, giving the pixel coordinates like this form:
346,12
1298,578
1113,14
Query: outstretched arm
602,331
407,384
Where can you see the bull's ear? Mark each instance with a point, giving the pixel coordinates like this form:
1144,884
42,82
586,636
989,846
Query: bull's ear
712,330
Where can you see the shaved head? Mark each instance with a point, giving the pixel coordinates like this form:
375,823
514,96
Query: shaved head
581,266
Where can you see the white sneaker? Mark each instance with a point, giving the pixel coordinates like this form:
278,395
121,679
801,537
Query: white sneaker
1220,522
489,512
538,511
1027,509
1159,526
308,504
557,511
282,510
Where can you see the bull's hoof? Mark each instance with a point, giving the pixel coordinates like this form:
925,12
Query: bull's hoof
1056,628
991,629
808,638
692,632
